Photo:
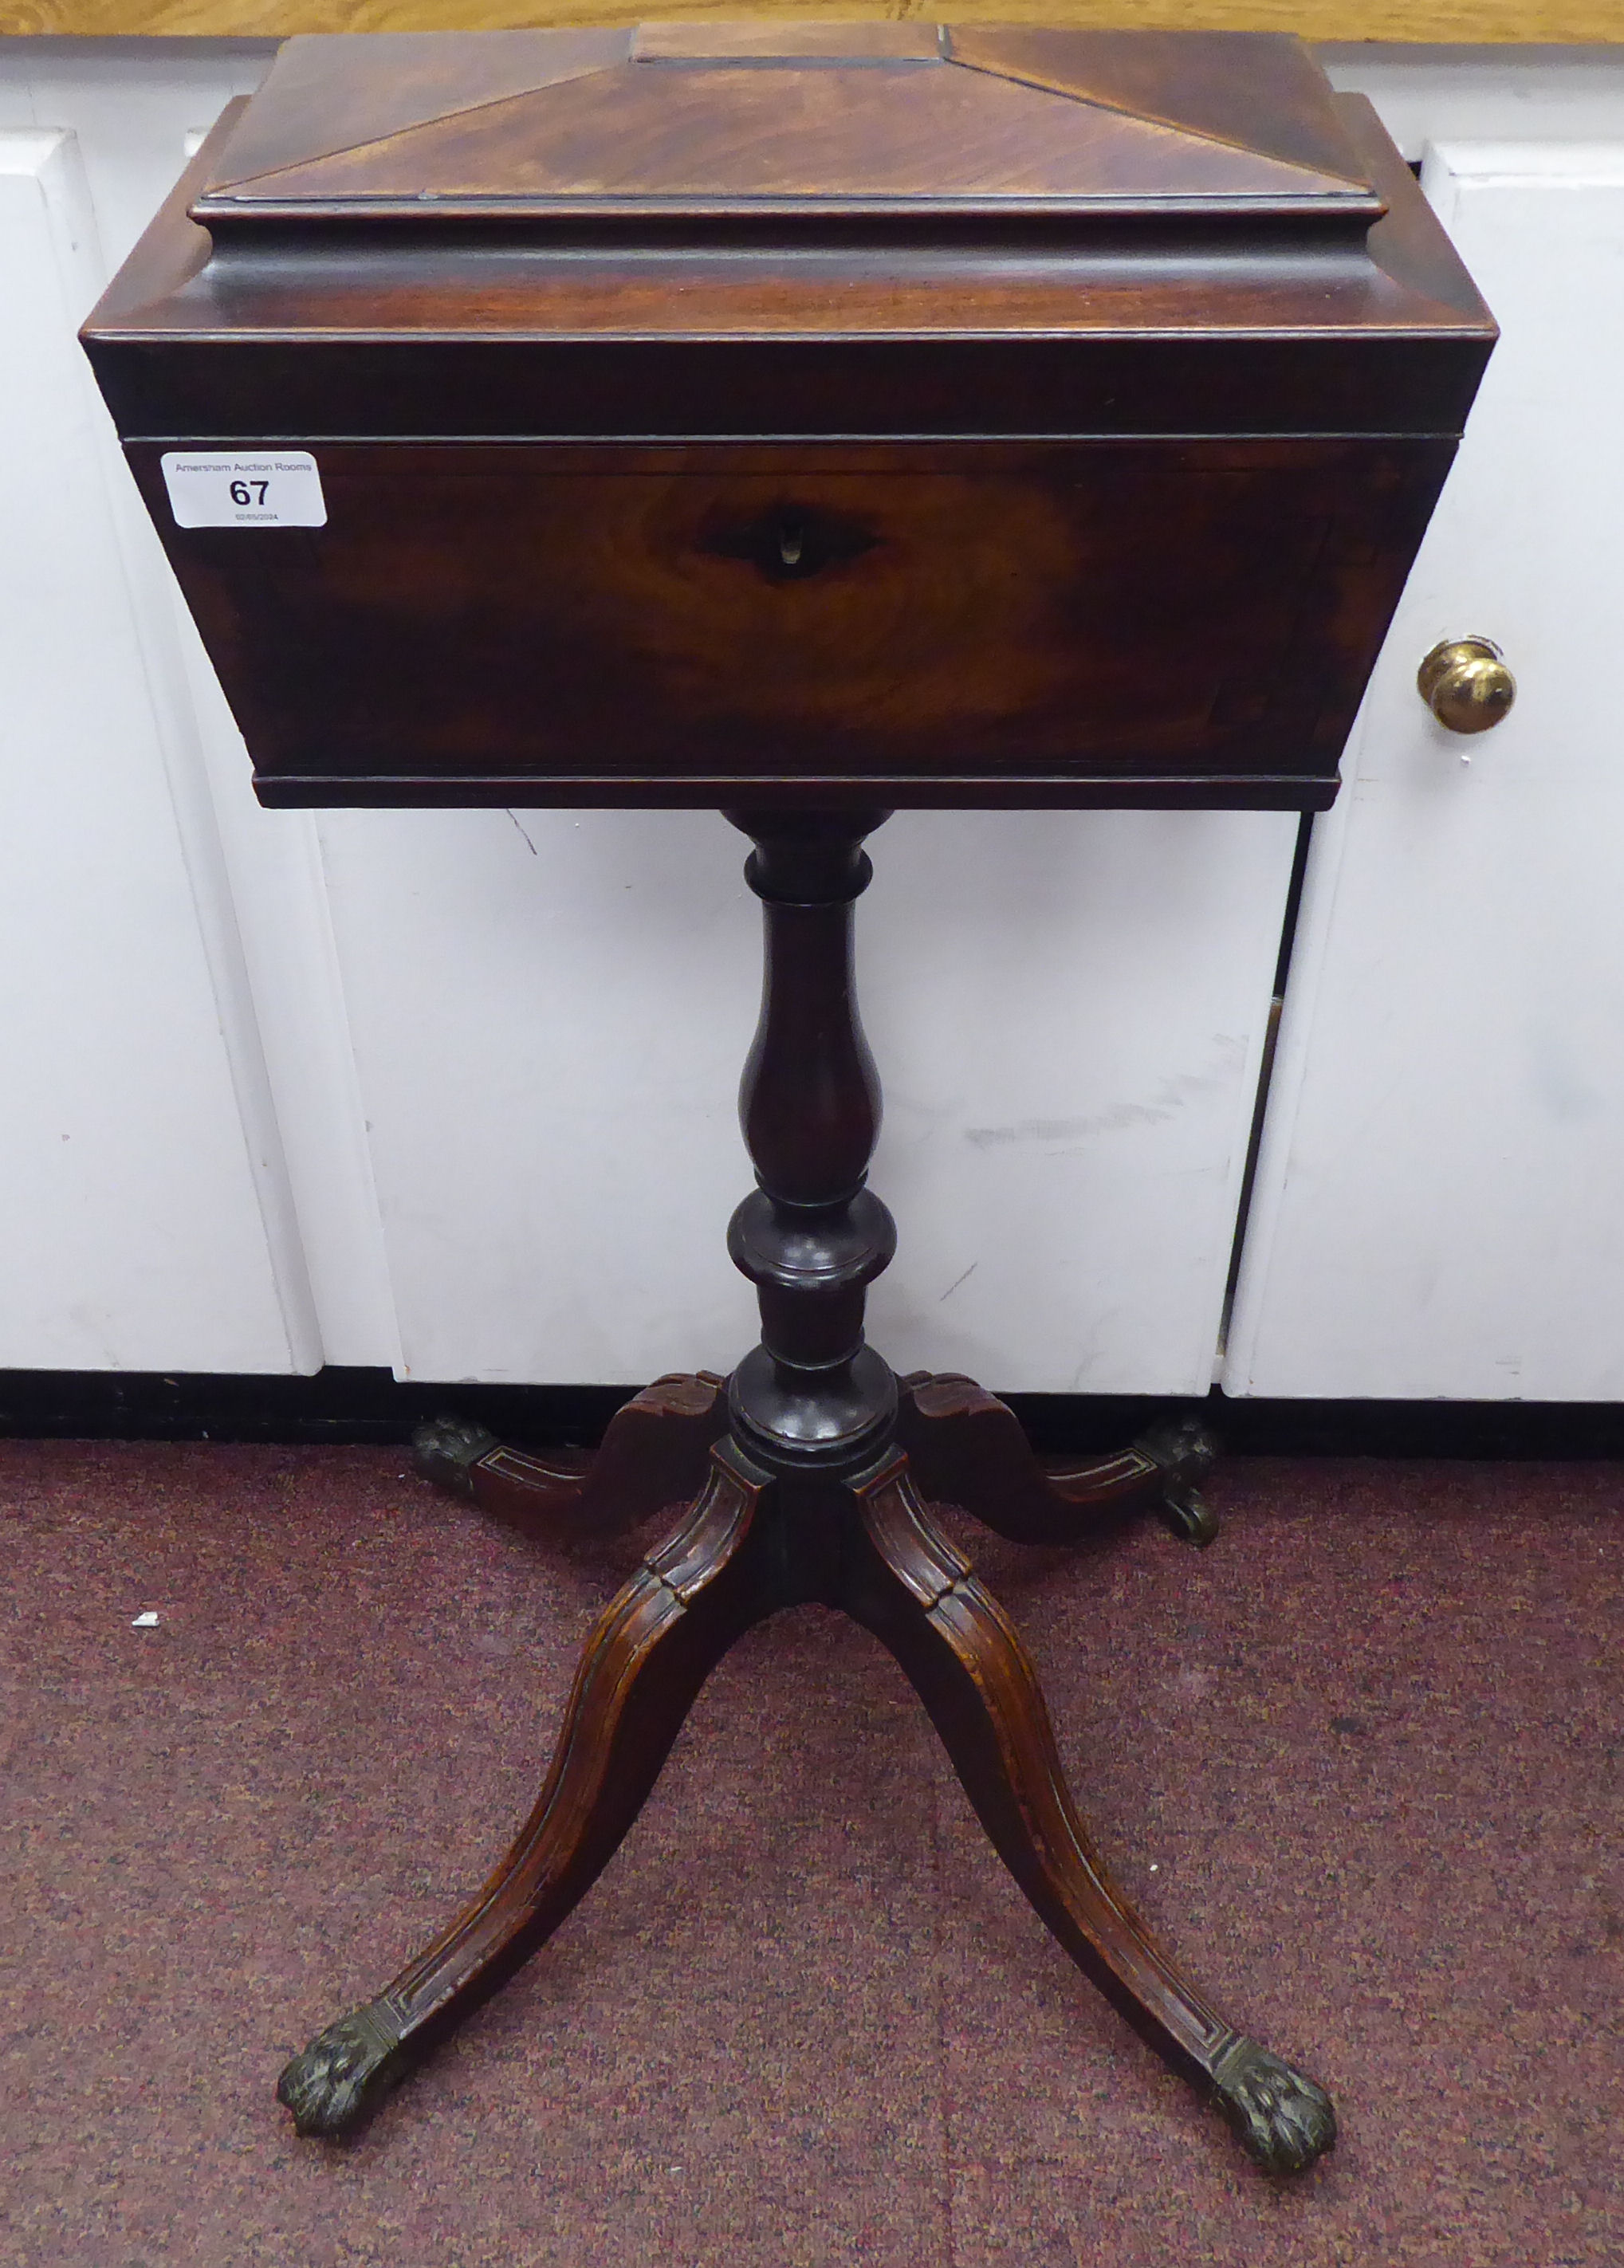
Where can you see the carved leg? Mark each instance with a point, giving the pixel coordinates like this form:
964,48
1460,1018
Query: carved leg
653,1456
966,1448
644,1664
919,1597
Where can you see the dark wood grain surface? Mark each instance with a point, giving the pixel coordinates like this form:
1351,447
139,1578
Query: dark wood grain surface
498,621
1172,353
736,114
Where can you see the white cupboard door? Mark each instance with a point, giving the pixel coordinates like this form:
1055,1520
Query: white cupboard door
144,1221
1439,1206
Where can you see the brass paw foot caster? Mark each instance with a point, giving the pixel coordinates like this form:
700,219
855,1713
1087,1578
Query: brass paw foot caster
446,1449
1284,2120
337,2083
1183,1451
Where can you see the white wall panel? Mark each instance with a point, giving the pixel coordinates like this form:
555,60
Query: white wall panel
137,1234
130,105
1510,92
1068,1014
135,108
1440,1209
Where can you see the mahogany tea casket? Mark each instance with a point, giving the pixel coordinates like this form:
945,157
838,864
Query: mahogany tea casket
805,421
866,414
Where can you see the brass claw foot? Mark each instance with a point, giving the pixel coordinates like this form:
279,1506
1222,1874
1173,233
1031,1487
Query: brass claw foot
1182,1450
1284,2120
446,1449
340,2078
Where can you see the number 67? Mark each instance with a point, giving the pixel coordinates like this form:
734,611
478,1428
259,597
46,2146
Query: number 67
242,491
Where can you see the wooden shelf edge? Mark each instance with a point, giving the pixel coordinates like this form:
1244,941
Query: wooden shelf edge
1400,22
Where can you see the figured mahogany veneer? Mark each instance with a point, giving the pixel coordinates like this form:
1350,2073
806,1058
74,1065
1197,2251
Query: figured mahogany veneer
723,115
896,612
803,421
982,416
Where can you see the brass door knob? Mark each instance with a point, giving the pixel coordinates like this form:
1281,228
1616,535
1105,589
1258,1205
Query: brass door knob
1465,684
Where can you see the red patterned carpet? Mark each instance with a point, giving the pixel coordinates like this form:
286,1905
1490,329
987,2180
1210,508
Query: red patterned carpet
1360,1762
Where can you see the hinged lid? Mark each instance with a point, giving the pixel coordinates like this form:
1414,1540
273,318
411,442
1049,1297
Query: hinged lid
798,124
777,228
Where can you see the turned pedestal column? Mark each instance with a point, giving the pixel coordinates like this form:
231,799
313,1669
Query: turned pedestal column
811,1471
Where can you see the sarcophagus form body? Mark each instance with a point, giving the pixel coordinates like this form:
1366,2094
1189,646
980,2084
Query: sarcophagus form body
879,414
